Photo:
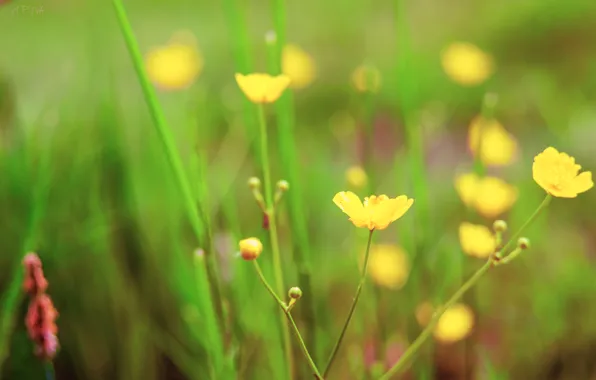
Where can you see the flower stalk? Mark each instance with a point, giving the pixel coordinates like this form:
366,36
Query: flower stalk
352,308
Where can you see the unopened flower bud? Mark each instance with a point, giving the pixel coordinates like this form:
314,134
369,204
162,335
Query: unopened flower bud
295,293
251,248
523,243
254,183
283,185
500,226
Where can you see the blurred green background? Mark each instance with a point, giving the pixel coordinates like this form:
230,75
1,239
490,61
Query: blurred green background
84,182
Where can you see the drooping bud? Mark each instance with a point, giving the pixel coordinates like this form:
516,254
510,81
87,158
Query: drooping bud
295,293
251,248
523,243
500,226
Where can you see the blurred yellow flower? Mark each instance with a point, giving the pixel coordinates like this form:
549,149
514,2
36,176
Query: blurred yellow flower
251,248
262,88
497,146
356,176
424,313
477,240
298,65
455,324
490,196
557,174
377,212
388,266
466,64
366,78
174,66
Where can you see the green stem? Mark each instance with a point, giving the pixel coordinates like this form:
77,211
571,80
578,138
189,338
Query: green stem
414,347
169,147
288,315
50,371
278,272
352,308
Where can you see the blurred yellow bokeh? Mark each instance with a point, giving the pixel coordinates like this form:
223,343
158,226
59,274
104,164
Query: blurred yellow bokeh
497,146
466,64
176,65
298,65
388,266
356,177
366,78
455,324
489,196
477,240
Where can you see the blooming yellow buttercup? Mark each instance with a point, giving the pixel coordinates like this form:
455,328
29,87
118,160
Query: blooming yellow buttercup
356,176
490,196
558,174
262,88
298,65
366,78
455,324
466,64
497,146
388,266
376,213
477,240
174,66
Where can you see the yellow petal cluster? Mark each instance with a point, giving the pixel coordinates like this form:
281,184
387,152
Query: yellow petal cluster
558,174
466,64
455,324
388,266
497,146
298,65
477,240
489,196
262,88
176,65
366,78
376,212
356,177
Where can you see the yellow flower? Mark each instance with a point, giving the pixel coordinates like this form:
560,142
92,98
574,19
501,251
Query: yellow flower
466,64
251,248
298,65
477,240
366,78
497,148
174,66
356,176
262,88
388,266
377,212
490,196
557,174
455,324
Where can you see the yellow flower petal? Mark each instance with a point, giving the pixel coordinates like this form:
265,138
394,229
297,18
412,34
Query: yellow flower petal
455,324
376,212
489,196
557,174
497,146
466,64
476,240
388,266
262,88
298,65
174,66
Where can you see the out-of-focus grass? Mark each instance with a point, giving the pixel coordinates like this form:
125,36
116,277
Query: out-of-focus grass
80,156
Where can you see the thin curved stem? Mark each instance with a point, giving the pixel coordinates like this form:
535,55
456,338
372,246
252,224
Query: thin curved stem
288,315
352,308
270,212
425,334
